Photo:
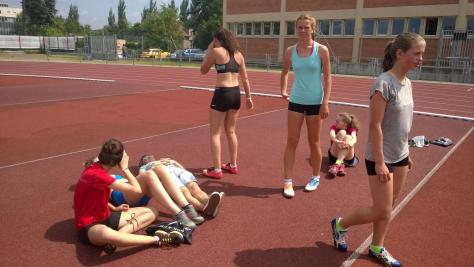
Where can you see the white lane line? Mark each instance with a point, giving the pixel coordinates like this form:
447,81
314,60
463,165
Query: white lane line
353,257
56,77
130,141
85,97
340,103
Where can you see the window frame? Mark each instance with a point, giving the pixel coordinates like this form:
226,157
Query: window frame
364,24
393,23
341,33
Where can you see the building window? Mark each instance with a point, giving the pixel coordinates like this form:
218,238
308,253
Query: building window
449,24
369,26
257,28
431,26
398,24
470,24
290,28
382,27
231,27
248,28
337,27
266,28
414,25
276,28
324,27
240,28
349,27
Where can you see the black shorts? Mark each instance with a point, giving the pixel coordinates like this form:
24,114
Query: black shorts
226,98
370,165
305,109
348,162
112,221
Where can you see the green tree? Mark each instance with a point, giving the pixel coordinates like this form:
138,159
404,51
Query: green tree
163,29
152,8
172,4
205,18
36,15
72,23
111,26
122,18
183,12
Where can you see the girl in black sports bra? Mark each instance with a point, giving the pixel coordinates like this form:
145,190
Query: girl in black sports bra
224,53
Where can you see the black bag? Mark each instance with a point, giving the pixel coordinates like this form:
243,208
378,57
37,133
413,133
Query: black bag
170,227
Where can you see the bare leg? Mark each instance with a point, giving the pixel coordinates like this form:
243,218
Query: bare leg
196,203
136,218
151,186
216,120
381,227
382,196
100,235
295,120
197,192
169,184
230,123
313,123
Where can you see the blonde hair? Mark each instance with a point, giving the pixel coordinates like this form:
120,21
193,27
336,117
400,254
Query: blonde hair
311,19
350,119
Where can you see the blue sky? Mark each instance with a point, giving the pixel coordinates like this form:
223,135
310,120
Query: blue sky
95,12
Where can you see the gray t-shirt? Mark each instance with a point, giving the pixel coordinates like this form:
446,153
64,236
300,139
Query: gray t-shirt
397,120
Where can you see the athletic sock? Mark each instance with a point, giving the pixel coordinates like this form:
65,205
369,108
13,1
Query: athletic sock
157,240
217,169
338,162
233,165
339,227
375,248
287,181
315,177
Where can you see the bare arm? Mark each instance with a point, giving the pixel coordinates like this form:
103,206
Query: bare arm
327,82
132,185
377,109
284,72
245,82
209,59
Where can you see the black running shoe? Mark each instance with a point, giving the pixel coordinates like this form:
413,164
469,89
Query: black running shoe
174,238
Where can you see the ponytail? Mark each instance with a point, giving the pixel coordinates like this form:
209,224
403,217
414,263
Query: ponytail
403,42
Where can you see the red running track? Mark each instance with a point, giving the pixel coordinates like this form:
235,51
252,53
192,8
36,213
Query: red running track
44,143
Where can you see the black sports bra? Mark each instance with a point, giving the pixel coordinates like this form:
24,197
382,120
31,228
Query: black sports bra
230,66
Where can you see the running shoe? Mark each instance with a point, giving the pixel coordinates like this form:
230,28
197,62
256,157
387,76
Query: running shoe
184,219
213,203
229,168
386,258
211,172
341,170
333,170
173,238
339,237
288,190
312,184
193,215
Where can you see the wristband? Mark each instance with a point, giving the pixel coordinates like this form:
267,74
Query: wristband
125,169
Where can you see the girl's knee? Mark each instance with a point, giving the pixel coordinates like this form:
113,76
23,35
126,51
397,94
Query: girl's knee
341,135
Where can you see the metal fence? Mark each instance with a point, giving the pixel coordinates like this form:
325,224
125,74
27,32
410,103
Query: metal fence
37,42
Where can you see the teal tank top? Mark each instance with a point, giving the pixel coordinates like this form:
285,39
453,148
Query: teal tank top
307,88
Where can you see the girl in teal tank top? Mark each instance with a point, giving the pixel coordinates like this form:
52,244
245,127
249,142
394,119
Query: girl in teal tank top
307,88
308,100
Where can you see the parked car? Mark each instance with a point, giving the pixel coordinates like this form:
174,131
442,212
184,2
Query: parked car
154,53
177,54
191,54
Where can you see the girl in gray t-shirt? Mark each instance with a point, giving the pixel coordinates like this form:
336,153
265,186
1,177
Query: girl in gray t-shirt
387,160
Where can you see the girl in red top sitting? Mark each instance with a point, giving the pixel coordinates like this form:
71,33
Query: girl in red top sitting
95,223
343,136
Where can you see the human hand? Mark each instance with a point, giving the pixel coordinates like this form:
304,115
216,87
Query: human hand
382,172
124,162
123,207
324,111
249,103
285,96
410,163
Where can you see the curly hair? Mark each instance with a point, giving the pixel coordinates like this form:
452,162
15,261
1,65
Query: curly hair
227,40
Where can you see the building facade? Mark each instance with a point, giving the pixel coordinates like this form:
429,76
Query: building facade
354,30
8,18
